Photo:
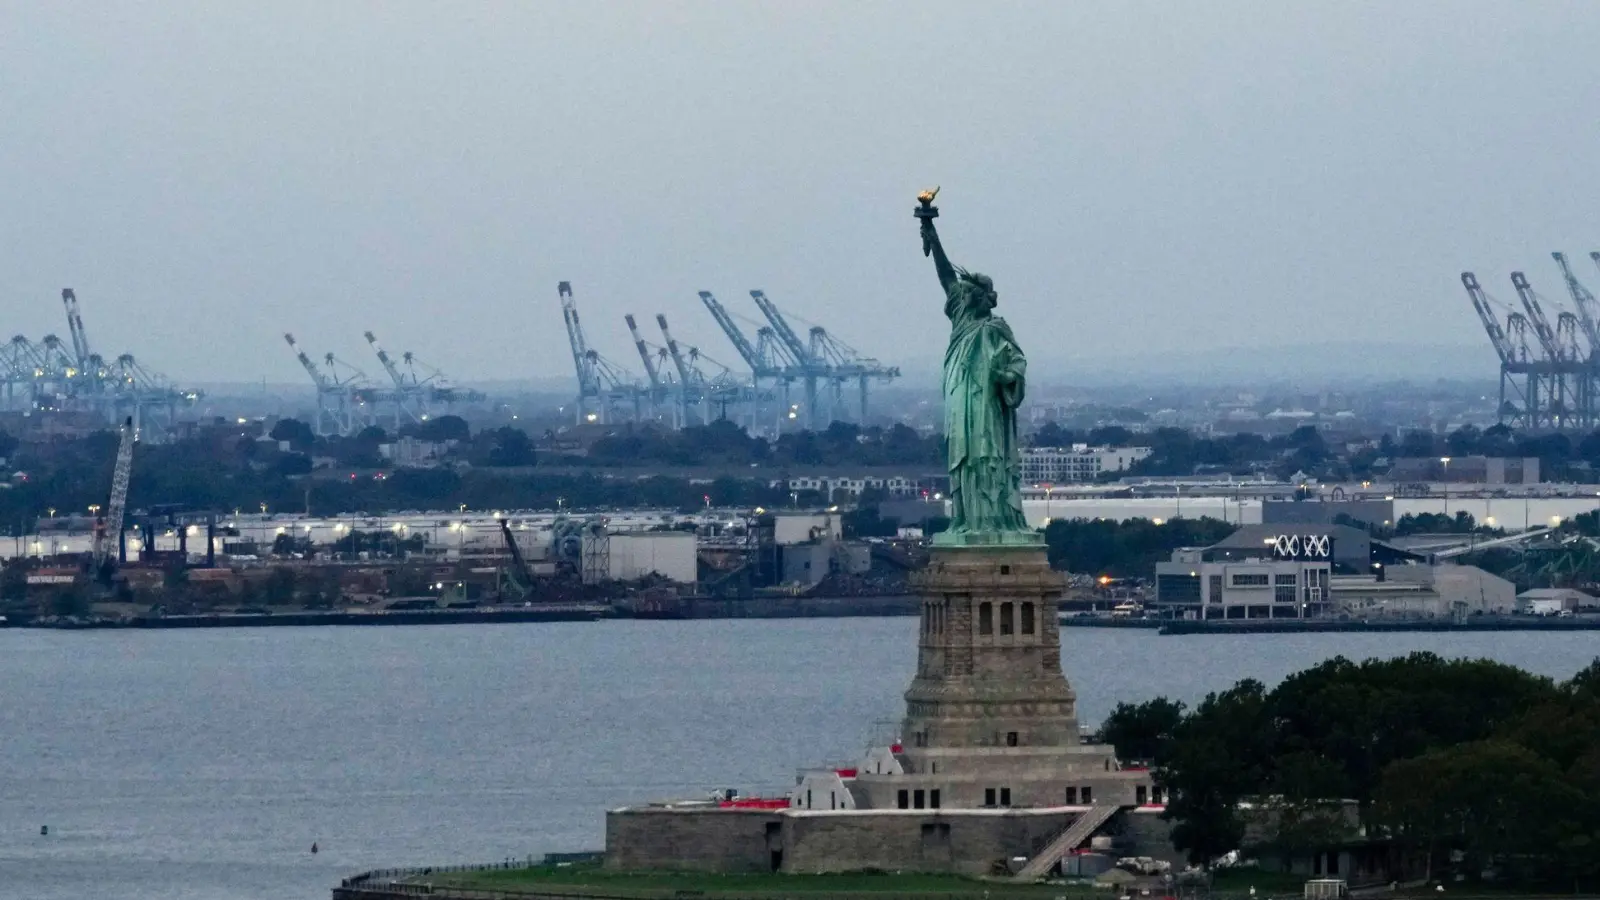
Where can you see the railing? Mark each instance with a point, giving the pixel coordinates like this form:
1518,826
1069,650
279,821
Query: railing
389,877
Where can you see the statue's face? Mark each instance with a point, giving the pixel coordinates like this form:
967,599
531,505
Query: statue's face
982,293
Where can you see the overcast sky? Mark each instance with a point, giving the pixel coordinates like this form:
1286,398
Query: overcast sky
1171,176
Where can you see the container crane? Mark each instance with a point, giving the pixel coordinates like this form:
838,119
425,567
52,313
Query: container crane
759,367
437,387
588,381
848,363
602,384
659,389
1522,372
1569,385
690,387
83,379
80,337
769,361
723,388
809,370
1583,301
335,398
409,399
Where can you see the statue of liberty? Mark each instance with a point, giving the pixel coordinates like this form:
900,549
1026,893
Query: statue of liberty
984,378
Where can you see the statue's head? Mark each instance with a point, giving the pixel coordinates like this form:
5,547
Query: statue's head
981,297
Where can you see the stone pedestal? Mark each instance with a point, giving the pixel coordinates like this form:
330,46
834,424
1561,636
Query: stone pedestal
990,719
989,655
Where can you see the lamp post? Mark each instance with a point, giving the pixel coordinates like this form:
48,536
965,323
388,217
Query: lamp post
1445,461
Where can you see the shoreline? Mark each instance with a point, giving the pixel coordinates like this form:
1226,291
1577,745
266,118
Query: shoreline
1332,626
675,609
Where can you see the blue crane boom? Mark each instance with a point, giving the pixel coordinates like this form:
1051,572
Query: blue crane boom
1583,301
740,343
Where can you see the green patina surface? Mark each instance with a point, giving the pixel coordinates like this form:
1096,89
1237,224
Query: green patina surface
985,377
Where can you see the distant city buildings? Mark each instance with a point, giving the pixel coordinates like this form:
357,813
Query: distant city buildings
844,487
1465,470
1076,464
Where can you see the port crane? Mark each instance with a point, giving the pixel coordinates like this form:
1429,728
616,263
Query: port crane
806,368
603,386
336,394
1568,384
661,387
1522,372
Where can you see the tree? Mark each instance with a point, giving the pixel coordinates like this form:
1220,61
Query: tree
1419,443
511,448
443,428
865,521
1364,716
1464,441
1131,548
1111,436
1051,435
1302,809
293,464
14,579
297,433
1217,757
1139,732
1492,800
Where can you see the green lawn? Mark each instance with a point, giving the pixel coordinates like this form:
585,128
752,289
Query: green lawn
1266,883
592,879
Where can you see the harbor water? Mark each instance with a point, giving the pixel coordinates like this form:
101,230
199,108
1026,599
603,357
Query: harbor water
203,765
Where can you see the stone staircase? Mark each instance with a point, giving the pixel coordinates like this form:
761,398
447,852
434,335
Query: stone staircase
1076,834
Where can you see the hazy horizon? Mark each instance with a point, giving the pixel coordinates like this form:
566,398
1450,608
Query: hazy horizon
1142,180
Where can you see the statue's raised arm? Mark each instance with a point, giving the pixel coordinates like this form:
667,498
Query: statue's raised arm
927,212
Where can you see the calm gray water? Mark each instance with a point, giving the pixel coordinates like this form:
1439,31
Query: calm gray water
201,765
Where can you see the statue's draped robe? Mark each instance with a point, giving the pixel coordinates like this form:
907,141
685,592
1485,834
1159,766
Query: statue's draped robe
984,373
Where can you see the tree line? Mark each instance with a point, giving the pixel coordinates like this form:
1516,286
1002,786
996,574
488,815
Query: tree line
1126,549
1466,757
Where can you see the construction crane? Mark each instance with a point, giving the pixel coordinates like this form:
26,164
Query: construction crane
111,528
520,576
